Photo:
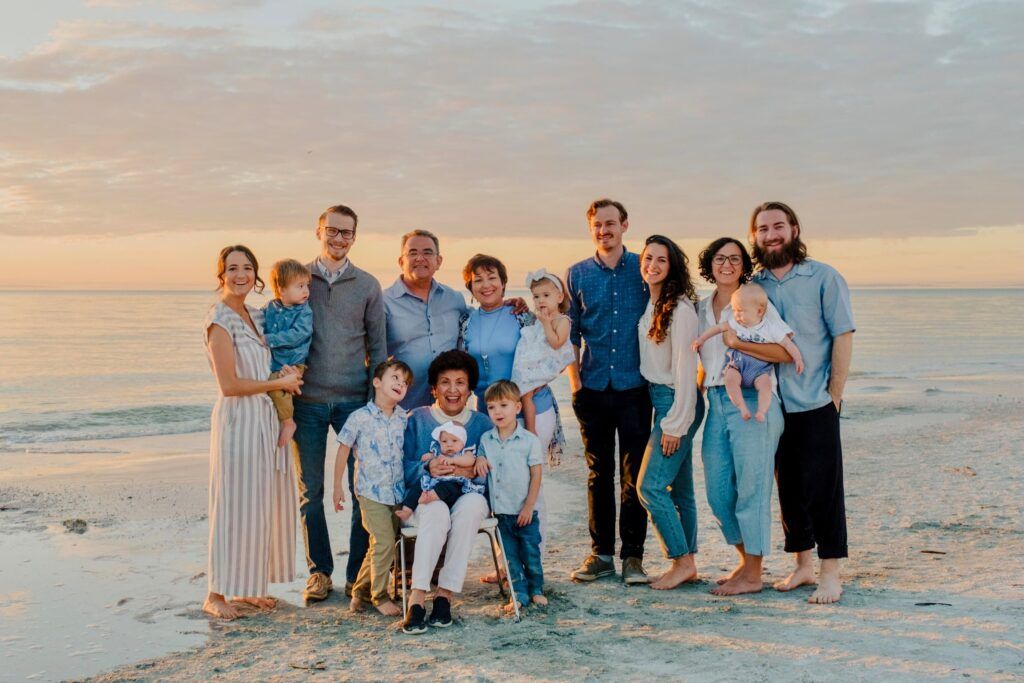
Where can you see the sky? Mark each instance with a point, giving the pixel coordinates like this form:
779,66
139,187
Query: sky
138,137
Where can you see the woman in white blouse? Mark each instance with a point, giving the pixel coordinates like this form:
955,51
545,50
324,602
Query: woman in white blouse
738,454
667,329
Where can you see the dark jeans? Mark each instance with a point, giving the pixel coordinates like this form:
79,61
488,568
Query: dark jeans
809,472
312,421
447,491
602,415
522,549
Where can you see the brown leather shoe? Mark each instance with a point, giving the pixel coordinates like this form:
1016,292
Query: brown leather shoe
317,587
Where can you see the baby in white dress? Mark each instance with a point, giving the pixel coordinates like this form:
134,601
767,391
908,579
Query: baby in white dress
544,349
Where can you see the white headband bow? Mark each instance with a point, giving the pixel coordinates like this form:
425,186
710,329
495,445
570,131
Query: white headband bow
542,274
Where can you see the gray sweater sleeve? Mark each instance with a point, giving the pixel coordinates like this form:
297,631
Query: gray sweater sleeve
376,331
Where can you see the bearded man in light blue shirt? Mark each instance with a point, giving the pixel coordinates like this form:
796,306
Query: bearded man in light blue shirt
814,300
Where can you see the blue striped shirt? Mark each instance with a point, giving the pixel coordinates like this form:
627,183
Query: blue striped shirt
605,308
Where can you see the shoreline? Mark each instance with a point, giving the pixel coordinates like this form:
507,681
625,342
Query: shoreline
934,491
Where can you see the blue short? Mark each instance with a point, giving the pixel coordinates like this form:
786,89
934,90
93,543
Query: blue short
750,368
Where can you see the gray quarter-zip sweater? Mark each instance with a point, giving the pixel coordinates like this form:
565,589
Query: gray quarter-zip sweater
349,337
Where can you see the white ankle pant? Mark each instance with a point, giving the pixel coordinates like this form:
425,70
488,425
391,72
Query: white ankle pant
437,525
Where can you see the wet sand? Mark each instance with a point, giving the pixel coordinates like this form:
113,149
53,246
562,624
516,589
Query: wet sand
935,584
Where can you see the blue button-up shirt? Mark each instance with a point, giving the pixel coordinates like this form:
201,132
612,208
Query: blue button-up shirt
378,441
288,331
418,330
510,460
814,300
605,308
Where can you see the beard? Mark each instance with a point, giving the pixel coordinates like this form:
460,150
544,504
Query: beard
793,251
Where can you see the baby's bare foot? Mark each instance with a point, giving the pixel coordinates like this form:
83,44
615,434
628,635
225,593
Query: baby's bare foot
287,432
745,414
760,416
428,497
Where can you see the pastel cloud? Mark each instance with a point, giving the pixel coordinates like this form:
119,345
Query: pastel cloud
874,119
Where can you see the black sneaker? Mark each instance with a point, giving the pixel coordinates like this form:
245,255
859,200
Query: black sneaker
441,615
416,620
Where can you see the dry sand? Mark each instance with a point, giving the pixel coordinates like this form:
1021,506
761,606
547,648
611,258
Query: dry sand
935,485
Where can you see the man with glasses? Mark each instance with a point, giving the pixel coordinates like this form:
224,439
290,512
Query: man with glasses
422,314
348,342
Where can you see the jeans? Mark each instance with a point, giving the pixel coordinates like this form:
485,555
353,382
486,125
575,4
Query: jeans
312,421
739,459
666,482
522,550
601,414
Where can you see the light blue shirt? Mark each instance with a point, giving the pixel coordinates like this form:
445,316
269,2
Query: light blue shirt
418,330
378,441
814,300
510,461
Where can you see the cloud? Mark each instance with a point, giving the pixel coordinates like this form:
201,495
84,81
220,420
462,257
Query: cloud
873,119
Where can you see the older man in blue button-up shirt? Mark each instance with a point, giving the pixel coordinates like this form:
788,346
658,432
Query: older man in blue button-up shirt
607,298
422,314
814,300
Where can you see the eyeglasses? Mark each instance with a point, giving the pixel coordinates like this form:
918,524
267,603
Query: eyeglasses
735,260
345,234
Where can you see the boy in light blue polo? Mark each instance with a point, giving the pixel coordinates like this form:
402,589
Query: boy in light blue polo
515,459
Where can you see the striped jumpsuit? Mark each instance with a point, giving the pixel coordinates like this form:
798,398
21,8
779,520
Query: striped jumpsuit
252,482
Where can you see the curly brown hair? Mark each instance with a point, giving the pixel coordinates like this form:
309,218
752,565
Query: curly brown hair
676,285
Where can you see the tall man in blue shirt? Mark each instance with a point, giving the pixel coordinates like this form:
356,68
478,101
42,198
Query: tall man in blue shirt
814,300
422,314
609,396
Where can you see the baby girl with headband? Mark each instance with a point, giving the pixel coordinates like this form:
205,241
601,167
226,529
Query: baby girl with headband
544,349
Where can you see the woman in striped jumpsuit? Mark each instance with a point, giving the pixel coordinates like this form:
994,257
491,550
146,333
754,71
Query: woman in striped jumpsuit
252,481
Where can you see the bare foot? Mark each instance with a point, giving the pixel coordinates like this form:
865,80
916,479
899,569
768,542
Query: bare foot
830,587
287,432
389,609
676,575
803,575
744,413
539,600
404,514
357,604
510,609
428,497
728,577
760,415
266,604
216,606
491,578
738,585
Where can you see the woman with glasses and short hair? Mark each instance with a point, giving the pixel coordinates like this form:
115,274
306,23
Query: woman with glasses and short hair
738,454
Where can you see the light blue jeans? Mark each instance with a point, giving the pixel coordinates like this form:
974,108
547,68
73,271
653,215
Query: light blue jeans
739,465
665,484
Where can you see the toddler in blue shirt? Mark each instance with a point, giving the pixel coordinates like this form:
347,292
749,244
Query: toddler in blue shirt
515,462
288,329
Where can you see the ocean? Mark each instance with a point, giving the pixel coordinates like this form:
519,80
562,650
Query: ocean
89,366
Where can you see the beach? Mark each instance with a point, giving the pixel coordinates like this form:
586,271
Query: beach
934,589
934,583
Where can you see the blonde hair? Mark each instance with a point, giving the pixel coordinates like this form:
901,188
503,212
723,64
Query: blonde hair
752,293
285,272
563,305
503,389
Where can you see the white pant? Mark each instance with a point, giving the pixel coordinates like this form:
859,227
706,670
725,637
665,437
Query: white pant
545,424
436,525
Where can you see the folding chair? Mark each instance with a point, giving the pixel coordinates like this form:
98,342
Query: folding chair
488,526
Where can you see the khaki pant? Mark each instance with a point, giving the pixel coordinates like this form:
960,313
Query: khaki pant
382,524
282,399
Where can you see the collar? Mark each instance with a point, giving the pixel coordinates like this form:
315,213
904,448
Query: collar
400,289
622,259
802,268
517,434
323,271
375,410
441,417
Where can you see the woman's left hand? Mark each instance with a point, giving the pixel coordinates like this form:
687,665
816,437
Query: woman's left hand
669,444
518,304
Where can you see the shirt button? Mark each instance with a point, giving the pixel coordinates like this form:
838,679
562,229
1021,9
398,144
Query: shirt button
614,331
615,312
612,367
